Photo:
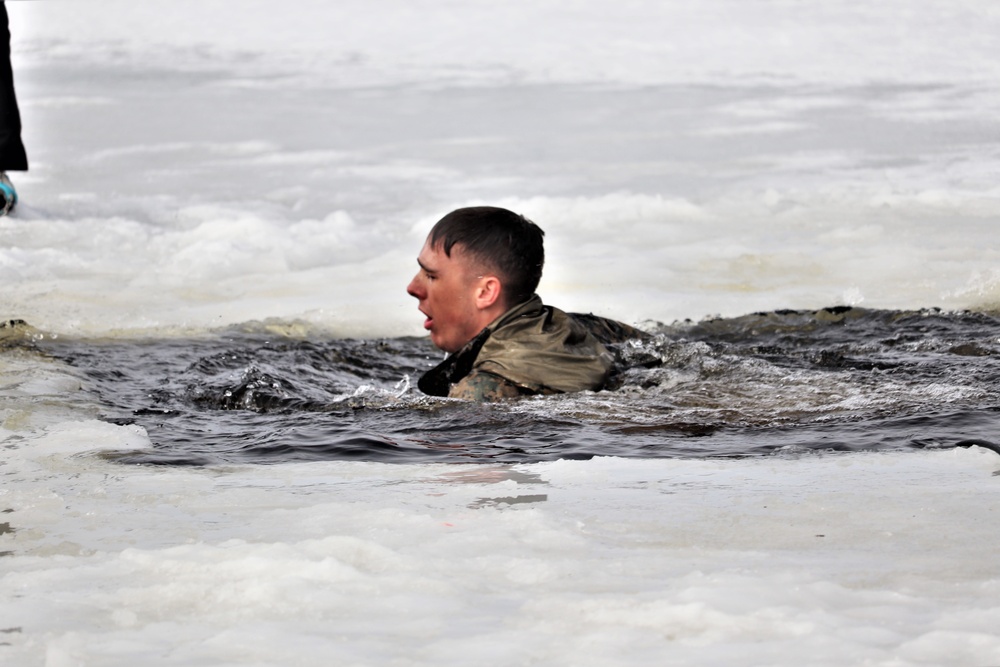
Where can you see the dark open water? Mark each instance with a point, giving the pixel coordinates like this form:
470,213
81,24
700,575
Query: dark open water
784,382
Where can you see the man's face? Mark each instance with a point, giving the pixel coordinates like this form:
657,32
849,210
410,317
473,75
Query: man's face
446,288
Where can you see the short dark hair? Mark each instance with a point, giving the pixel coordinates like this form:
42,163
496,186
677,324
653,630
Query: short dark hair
507,243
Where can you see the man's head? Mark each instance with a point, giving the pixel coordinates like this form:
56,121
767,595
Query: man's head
475,265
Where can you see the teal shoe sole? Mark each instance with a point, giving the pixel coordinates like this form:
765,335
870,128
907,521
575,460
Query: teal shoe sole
9,195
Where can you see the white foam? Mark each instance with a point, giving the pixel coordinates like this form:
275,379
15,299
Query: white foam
631,256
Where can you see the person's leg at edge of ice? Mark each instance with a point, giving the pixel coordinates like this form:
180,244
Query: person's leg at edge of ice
12,154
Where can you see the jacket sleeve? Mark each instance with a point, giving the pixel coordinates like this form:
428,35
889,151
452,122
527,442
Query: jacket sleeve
483,386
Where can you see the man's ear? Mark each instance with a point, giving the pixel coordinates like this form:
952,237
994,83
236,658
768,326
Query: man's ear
488,292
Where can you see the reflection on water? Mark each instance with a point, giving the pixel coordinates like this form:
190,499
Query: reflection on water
785,382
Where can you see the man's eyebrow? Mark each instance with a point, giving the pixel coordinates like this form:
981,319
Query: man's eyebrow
424,266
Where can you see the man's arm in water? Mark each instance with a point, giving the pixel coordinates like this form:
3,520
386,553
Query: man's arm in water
483,386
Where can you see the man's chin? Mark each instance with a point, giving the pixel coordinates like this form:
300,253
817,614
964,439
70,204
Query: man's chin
442,344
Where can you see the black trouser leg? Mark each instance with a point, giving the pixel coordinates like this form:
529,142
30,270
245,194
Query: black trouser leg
12,155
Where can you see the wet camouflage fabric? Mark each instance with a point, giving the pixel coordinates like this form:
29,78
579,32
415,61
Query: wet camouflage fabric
485,387
532,349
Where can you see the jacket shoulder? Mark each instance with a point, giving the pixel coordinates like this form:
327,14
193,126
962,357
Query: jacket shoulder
608,331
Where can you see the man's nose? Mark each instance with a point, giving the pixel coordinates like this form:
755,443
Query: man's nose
415,288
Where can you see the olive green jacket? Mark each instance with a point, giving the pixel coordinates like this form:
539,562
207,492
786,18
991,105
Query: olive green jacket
530,349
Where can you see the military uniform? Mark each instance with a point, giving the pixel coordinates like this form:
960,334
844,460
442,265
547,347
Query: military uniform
530,349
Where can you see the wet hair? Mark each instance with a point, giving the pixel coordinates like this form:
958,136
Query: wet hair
500,240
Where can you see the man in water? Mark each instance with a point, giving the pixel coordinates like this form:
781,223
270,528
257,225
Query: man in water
479,269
